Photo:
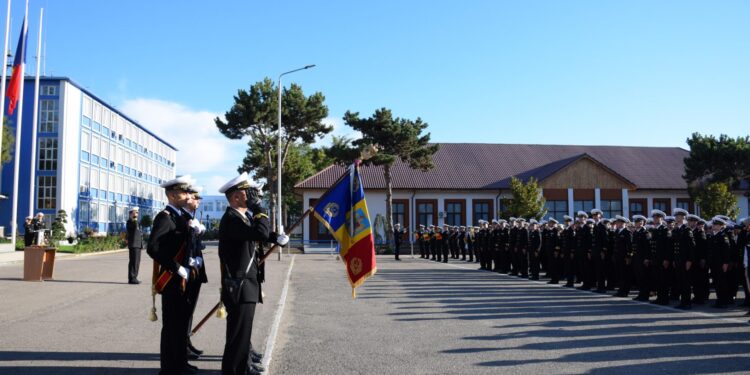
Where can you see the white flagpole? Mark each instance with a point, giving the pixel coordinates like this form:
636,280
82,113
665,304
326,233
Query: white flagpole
5,74
19,118
35,116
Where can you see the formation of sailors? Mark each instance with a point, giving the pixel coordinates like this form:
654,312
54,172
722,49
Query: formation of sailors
673,258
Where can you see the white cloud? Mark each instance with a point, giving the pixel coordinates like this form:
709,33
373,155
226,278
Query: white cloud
339,129
203,152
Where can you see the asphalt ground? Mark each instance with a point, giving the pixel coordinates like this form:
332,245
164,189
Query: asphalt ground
90,321
422,317
413,316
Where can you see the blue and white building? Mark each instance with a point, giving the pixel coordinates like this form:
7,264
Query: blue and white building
93,161
211,209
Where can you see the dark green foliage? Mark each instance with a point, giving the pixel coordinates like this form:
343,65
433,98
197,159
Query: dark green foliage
527,202
716,198
58,227
254,115
722,159
9,142
146,221
396,138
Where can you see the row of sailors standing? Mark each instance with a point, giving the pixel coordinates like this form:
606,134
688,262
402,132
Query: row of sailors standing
675,258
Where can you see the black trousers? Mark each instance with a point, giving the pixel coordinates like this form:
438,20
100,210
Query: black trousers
700,281
175,317
398,248
192,294
682,283
664,280
239,329
134,263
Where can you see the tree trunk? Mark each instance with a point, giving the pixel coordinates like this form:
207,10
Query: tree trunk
388,203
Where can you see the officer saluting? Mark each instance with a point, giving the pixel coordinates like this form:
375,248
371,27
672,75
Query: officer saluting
244,223
168,246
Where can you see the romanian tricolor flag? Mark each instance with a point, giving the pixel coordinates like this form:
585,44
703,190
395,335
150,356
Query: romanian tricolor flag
16,78
343,210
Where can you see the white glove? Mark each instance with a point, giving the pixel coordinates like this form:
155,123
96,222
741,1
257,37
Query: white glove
282,239
199,262
202,228
196,225
182,272
192,262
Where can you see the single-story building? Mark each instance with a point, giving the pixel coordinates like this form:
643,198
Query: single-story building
470,180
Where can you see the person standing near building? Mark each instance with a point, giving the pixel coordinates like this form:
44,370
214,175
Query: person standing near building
397,233
243,225
643,258
664,252
167,245
420,241
28,232
623,256
134,239
38,227
196,249
699,273
684,257
534,249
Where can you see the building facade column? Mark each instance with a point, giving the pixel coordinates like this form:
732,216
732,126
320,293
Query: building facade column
597,198
625,203
570,203
649,205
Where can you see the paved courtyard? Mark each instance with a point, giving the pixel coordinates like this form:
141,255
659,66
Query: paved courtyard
414,316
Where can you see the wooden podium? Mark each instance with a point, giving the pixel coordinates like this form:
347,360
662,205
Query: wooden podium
38,263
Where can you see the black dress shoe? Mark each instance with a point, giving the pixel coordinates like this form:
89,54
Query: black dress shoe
256,354
252,371
193,348
258,367
134,282
191,355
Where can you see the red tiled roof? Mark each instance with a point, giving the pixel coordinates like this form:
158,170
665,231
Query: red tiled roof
474,166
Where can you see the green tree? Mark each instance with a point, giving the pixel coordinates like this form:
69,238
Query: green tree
716,198
527,200
146,221
254,115
58,227
302,162
722,159
396,138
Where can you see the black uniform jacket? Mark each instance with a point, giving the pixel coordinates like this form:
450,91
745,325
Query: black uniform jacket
169,233
238,237
134,236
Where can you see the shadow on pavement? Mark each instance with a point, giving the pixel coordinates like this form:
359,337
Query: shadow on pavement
573,327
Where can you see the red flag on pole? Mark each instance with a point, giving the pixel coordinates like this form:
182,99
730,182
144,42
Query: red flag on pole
14,86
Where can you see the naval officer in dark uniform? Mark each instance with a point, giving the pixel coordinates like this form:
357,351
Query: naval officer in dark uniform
243,226
168,247
134,238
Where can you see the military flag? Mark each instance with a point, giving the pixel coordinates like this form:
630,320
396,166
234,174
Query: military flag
343,210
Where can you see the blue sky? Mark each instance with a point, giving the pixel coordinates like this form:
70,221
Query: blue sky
552,72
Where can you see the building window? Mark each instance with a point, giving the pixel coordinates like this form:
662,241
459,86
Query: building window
49,90
83,211
85,184
481,210
47,154
662,204
583,205
94,208
87,106
46,192
556,209
685,204
49,116
637,208
454,212
426,212
610,208
398,211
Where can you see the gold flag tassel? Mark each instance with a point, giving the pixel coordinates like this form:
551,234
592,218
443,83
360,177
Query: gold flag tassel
221,313
354,293
152,315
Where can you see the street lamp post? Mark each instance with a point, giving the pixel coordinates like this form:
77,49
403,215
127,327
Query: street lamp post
279,226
